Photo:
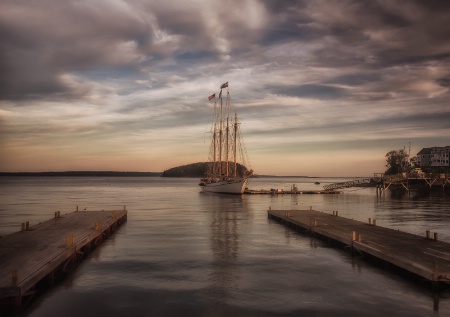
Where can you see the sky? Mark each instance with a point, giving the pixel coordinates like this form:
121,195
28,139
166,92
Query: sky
322,88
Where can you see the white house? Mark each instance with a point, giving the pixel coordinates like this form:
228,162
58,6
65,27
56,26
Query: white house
434,156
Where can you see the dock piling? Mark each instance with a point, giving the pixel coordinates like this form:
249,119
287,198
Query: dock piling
70,241
435,270
15,277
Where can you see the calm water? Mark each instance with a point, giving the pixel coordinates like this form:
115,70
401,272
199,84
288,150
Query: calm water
184,253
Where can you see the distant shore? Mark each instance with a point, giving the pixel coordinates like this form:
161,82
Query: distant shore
84,173
136,174
143,174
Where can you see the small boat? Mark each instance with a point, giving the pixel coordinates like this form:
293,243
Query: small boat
224,174
317,183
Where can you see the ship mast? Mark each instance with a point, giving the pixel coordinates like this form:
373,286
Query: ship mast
228,132
220,135
234,142
214,172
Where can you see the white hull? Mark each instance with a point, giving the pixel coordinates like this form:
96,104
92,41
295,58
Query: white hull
232,186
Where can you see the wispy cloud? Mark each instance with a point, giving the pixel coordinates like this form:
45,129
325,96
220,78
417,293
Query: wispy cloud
124,85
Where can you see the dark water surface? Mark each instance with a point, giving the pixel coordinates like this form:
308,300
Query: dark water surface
184,253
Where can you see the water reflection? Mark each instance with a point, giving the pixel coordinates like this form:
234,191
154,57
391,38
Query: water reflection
226,221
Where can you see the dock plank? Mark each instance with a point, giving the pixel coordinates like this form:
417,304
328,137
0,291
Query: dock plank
426,258
36,252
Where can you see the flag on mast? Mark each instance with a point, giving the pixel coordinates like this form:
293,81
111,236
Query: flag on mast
224,85
211,97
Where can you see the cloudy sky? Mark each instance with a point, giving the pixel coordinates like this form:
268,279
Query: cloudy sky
322,88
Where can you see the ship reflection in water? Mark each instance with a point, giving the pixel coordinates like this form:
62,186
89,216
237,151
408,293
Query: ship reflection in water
226,221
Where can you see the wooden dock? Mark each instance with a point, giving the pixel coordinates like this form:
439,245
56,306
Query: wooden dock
424,256
37,256
289,192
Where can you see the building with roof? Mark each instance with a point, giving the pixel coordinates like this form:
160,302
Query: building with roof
433,156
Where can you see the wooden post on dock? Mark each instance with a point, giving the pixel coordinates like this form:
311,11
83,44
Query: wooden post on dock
435,270
15,277
69,241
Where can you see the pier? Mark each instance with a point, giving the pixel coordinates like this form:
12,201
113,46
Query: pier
382,182
293,191
352,183
289,192
36,257
404,179
424,256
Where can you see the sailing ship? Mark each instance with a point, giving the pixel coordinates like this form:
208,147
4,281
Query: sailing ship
224,174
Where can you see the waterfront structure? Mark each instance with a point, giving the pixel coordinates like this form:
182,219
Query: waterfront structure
38,256
434,156
424,256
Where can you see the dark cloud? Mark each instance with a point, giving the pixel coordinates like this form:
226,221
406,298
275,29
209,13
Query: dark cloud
381,33
45,40
47,46
444,82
